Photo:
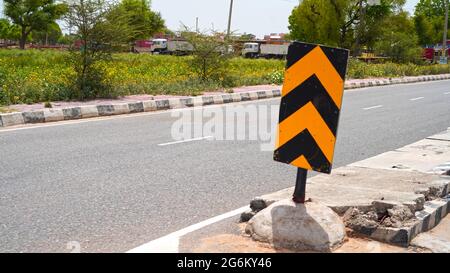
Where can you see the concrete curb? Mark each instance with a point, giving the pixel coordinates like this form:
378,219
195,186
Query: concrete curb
81,112
425,194
428,218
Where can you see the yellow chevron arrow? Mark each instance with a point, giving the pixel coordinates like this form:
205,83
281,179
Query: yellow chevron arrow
315,62
309,118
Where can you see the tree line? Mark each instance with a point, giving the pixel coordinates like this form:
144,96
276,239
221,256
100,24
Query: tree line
37,20
380,26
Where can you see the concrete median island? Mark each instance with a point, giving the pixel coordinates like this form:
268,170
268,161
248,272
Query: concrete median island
390,198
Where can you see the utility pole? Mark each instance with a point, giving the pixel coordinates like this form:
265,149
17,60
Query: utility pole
357,47
229,19
444,40
196,24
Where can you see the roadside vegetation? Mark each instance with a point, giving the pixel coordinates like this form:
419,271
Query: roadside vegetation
44,75
92,67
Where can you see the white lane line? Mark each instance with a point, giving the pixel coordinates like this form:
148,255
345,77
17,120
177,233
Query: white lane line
373,107
186,140
170,243
448,93
418,98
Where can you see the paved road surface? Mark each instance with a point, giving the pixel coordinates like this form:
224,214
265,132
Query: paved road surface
108,185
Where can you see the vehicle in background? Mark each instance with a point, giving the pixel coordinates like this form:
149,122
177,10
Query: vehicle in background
433,53
142,46
263,50
180,47
173,47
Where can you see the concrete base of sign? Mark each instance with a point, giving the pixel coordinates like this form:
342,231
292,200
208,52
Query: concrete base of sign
310,226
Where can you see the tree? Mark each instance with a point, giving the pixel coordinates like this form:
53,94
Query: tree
33,15
50,35
430,8
8,31
143,22
98,33
344,23
318,21
211,55
398,39
425,30
429,19
4,28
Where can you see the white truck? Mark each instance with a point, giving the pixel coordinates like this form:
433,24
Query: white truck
172,47
268,51
180,47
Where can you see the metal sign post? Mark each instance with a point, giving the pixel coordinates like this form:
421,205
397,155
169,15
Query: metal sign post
311,101
300,186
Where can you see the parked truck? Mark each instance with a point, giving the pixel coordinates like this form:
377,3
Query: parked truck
433,53
172,47
142,46
262,50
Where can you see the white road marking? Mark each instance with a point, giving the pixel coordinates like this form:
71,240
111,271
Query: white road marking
373,107
448,93
170,243
418,98
186,140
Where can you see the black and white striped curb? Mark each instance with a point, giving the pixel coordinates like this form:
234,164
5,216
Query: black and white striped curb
375,82
428,214
428,218
81,112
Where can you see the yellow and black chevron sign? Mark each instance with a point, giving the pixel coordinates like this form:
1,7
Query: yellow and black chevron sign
310,106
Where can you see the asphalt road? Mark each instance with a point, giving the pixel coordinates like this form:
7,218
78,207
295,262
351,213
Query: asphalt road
109,186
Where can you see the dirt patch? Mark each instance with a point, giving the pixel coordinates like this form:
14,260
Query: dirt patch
365,245
229,243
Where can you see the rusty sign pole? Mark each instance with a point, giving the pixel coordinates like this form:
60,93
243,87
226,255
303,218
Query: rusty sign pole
300,186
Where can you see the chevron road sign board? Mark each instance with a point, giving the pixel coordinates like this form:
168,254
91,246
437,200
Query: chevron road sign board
311,101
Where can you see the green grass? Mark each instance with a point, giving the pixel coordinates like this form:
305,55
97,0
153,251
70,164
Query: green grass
44,75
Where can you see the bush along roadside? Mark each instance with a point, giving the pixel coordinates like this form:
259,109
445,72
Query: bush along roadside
34,76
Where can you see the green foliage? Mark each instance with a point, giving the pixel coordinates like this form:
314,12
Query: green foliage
361,70
210,56
46,75
318,21
430,8
142,21
338,22
35,15
8,31
429,20
424,30
50,35
66,39
398,39
99,33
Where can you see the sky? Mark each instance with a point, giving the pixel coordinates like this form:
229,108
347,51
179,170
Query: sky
258,17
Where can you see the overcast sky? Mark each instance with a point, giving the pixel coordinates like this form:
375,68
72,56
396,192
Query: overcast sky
251,16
